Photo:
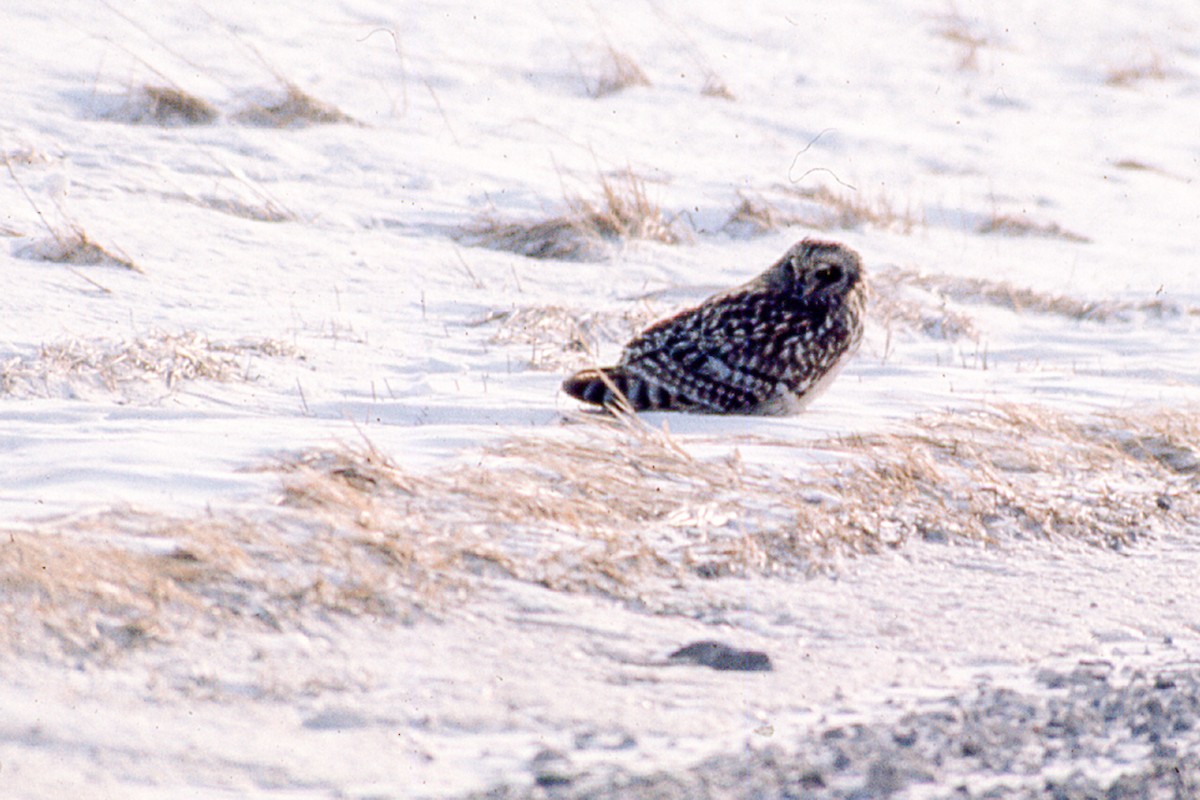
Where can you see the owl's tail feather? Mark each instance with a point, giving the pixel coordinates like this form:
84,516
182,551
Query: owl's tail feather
613,387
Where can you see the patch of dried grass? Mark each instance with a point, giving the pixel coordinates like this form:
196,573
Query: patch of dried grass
897,301
1012,225
715,87
168,105
617,72
956,29
617,505
75,246
1025,300
607,505
847,210
819,208
86,595
97,587
1015,472
1148,67
266,209
124,367
560,338
296,108
623,211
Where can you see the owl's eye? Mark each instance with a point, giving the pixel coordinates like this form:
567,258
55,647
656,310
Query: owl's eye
827,274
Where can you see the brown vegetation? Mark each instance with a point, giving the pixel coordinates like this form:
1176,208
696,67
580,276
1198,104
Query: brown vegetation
819,208
123,367
623,211
1149,67
606,505
75,246
296,108
617,73
1012,225
560,338
169,105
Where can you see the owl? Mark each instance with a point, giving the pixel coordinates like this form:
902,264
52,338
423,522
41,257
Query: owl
765,347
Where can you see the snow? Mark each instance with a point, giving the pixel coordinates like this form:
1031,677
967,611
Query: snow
464,112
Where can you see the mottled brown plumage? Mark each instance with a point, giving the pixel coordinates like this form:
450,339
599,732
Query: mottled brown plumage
765,347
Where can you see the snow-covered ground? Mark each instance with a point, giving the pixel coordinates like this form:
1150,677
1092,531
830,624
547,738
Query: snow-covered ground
292,506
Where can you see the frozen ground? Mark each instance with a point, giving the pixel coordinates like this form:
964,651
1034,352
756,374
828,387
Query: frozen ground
291,504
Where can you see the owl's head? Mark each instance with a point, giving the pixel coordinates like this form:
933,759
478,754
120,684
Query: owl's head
822,272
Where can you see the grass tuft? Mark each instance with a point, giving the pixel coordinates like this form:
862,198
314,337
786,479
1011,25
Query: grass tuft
1011,225
819,208
957,30
75,246
266,209
295,109
124,367
617,73
168,105
560,338
715,87
1020,299
623,211
1149,67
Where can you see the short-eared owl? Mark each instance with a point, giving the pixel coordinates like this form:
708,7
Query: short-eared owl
766,347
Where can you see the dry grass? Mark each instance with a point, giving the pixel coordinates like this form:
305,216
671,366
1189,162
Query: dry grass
264,209
1012,225
131,367
95,588
623,211
560,338
606,505
715,87
69,244
819,208
75,246
1148,67
168,105
75,593
615,504
899,301
956,29
849,209
617,72
295,109
893,283
1020,472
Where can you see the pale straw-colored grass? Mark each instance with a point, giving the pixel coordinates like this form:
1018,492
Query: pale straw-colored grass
605,505
155,361
622,211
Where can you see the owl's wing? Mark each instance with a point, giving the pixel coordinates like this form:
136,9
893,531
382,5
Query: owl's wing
724,356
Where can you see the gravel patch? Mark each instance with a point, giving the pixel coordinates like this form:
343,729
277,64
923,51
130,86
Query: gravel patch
1092,731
